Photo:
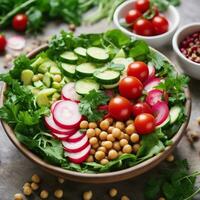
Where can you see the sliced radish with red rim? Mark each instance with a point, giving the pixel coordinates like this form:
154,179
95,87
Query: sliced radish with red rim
161,112
60,136
69,92
54,104
152,84
76,137
152,72
66,114
80,156
76,146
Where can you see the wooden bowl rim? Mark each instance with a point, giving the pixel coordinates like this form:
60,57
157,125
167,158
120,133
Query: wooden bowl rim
107,176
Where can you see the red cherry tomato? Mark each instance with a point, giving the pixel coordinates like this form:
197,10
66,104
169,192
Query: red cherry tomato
139,70
3,42
155,9
160,24
19,22
120,108
144,123
140,108
132,16
143,27
142,5
130,87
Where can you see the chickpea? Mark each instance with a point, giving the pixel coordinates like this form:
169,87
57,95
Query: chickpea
113,192
27,191
90,133
87,195
112,154
135,138
110,138
110,129
57,78
121,136
18,196
90,158
120,125
104,125
130,129
110,120
136,148
161,198
126,136
58,193
97,131
104,161
123,142
44,194
27,185
93,140
35,178
124,197
130,121
84,124
34,186
99,155
35,78
170,158
95,146
116,146
93,125
107,144
40,76
116,132
92,151
61,180
102,149
103,135
127,148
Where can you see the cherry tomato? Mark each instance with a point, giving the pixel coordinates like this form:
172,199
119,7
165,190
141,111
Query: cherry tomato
143,27
142,5
139,70
155,8
140,108
144,123
160,24
3,42
130,87
19,22
132,16
120,108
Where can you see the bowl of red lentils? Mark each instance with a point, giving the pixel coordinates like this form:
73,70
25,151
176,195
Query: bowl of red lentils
186,44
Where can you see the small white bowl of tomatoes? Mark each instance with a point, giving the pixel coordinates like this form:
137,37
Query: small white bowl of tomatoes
141,19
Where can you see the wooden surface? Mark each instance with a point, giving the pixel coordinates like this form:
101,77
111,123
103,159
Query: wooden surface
15,169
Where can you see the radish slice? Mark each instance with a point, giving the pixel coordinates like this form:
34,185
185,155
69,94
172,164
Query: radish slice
54,104
155,96
60,136
50,124
161,112
80,156
76,146
152,84
69,92
66,114
110,93
76,137
152,73
16,42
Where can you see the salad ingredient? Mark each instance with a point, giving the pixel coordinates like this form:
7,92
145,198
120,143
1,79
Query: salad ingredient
139,70
152,72
97,54
161,112
75,137
124,197
120,108
174,114
161,25
35,178
66,114
3,42
144,27
20,22
113,192
142,5
140,108
34,186
130,87
85,69
145,123
132,16
61,180
87,195
27,191
44,194
190,47
80,51
69,93
69,57
60,136
18,196
16,42
170,158
58,193
152,84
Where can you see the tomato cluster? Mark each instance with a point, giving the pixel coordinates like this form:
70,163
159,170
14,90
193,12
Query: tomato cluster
143,25
123,107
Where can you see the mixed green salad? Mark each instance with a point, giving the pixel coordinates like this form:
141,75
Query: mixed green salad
94,103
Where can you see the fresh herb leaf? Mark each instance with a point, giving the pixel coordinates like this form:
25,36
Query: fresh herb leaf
162,5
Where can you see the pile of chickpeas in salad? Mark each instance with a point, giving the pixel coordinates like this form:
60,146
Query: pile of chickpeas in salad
110,139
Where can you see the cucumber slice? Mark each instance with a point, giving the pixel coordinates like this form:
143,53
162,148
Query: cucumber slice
98,54
80,51
111,86
69,57
164,124
84,86
38,84
55,70
174,113
107,77
47,79
68,69
26,76
85,69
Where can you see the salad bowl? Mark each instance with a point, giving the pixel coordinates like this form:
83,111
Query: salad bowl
105,177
